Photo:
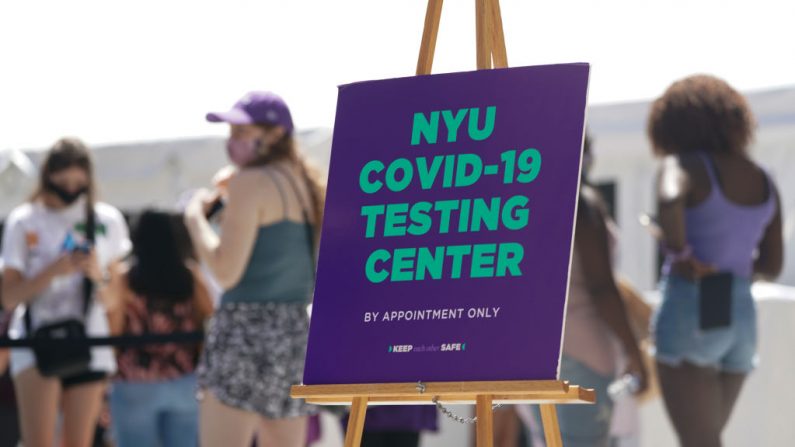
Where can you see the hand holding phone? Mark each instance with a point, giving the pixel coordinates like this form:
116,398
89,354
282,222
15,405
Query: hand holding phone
215,207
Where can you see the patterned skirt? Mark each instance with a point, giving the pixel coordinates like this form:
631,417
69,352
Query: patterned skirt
253,354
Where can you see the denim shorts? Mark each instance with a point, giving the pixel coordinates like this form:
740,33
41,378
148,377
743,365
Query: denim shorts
155,413
583,425
679,337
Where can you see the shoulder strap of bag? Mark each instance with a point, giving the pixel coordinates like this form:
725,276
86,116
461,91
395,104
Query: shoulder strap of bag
91,238
310,237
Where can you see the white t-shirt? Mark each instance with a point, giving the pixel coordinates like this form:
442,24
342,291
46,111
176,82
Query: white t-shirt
36,236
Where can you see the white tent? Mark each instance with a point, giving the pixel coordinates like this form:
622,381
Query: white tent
132,176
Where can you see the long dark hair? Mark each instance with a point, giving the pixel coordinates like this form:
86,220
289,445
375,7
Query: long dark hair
161,250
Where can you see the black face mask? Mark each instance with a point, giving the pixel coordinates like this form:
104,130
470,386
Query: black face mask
66,197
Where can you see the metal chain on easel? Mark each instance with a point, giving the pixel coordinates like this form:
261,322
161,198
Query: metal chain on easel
448,412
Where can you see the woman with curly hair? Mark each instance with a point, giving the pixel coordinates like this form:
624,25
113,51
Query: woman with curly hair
721,223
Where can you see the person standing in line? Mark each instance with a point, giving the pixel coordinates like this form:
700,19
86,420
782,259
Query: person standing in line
161,291
720,217
264,260
60,250
597,330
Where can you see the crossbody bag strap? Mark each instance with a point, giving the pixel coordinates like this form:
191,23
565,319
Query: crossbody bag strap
91,237
310,237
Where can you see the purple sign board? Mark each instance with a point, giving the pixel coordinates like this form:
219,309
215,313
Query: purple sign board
447,234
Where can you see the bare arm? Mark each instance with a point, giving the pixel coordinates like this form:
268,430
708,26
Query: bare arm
201,294
770,260
592,244
672,187
639,311
227,255
17,289
115,298
108,288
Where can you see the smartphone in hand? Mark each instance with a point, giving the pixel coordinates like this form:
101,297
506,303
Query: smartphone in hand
215,208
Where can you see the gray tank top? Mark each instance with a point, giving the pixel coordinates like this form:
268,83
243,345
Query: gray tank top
281,267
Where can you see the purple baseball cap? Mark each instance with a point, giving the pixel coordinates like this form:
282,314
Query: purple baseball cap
256,108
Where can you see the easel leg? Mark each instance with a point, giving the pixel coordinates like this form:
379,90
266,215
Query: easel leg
485,427
490,39
429,33
499,54
483,34
549,417
353,436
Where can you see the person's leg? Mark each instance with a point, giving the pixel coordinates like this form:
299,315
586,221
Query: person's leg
692,398
134,415
81,405
37,401
180,418
730,384
222,425
289,432
740,360
506,427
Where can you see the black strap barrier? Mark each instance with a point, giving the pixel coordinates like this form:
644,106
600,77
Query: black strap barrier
118,340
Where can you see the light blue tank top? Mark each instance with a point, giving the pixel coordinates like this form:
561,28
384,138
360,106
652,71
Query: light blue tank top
723,233
281,267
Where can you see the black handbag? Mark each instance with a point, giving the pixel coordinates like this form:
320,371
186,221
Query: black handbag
64,359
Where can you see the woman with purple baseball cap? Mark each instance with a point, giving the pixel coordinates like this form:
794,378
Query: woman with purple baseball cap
264,259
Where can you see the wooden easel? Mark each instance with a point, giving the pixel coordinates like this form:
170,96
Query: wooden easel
491,53
490,39
547,393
